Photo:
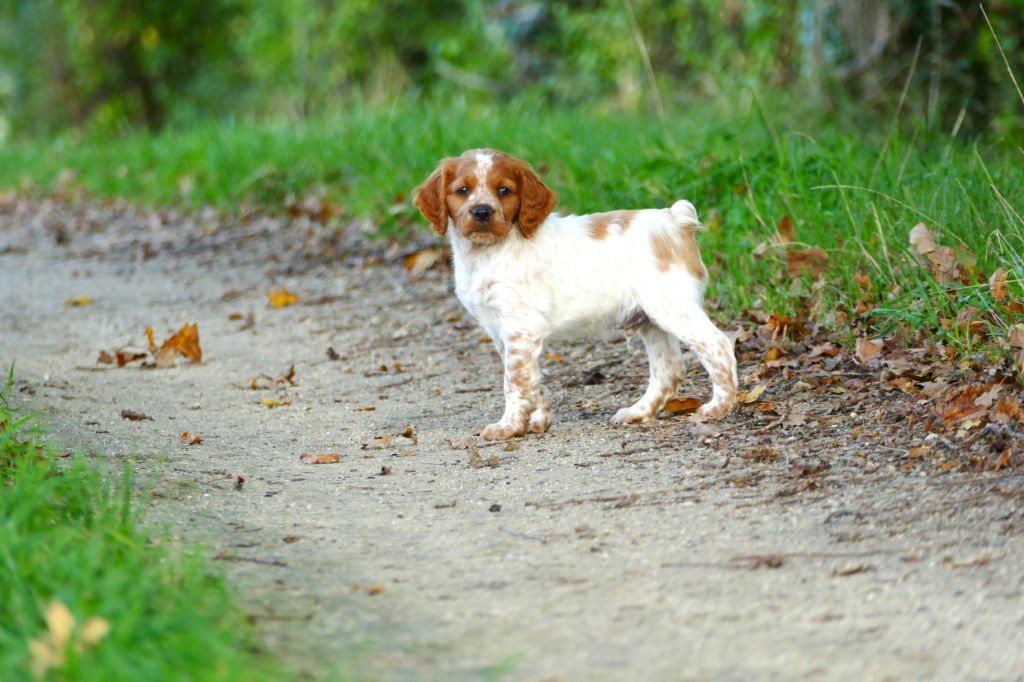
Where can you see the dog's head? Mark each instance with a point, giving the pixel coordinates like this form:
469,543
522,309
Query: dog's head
485,193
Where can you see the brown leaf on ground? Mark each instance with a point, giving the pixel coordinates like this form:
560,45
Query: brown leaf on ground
149,338
189,439
124,357
329,458
824,350
421,261
280,298
962,405
785,231
378,442
967,321
104,358
374,590
813,260
410,433
922,239
751,396
682,405
184,341
997,285
868,349
1016,336
269,402
134,416
1003,462
78,302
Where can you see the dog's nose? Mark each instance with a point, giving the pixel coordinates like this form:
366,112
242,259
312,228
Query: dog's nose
482,213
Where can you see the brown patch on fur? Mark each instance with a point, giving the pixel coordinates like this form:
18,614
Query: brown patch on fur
679,249
600,222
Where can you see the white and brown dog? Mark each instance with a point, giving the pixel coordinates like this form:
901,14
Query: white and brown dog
527,276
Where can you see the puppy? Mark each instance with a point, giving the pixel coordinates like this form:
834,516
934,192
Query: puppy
527,276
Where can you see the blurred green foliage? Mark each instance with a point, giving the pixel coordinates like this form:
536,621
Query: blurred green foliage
106,65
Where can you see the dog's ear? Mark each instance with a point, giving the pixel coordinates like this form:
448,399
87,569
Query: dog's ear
536,200
430,196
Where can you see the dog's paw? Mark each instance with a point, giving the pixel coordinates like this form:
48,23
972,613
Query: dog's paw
631,415
503,430
709,411
540,420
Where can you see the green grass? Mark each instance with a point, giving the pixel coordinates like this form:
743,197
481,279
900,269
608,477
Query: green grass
854,187
69,534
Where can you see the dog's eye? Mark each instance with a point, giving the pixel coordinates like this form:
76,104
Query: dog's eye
504,191
462,190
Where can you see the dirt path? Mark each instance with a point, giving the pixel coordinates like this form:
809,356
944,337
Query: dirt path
763,547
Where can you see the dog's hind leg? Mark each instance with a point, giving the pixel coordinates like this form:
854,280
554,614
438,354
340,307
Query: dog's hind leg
667,370
683,316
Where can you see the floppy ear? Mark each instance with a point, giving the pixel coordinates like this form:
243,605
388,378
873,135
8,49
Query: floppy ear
536,201
430,196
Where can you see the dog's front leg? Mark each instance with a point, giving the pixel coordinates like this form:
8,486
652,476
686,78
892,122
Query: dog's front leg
524,405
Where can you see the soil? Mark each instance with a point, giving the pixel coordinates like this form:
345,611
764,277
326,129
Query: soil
799,538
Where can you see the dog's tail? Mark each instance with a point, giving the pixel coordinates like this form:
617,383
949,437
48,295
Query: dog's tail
685,215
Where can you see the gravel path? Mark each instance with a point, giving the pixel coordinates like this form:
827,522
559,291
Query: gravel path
754,548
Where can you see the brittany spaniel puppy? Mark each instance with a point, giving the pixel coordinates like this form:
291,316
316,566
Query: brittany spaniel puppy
527,276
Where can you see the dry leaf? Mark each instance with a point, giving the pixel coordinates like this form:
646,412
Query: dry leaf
410,433
189,439
329,458
267,402
684,405
868,349
919,452
1016,336
1004,460
786,231
49,651
149,338
279,298
134,416
104,358
123,357
184,341
813,260
753,394
997,285
378,442
375,589
421,261
78,302
922,239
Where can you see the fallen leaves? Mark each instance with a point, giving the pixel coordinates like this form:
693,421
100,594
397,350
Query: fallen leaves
78,302
813,261
184,342
944,263
329,458
50,650
190,439
682,405
869,349
132,415
281,298
418,263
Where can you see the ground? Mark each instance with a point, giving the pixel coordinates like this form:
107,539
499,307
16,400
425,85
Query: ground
799,538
